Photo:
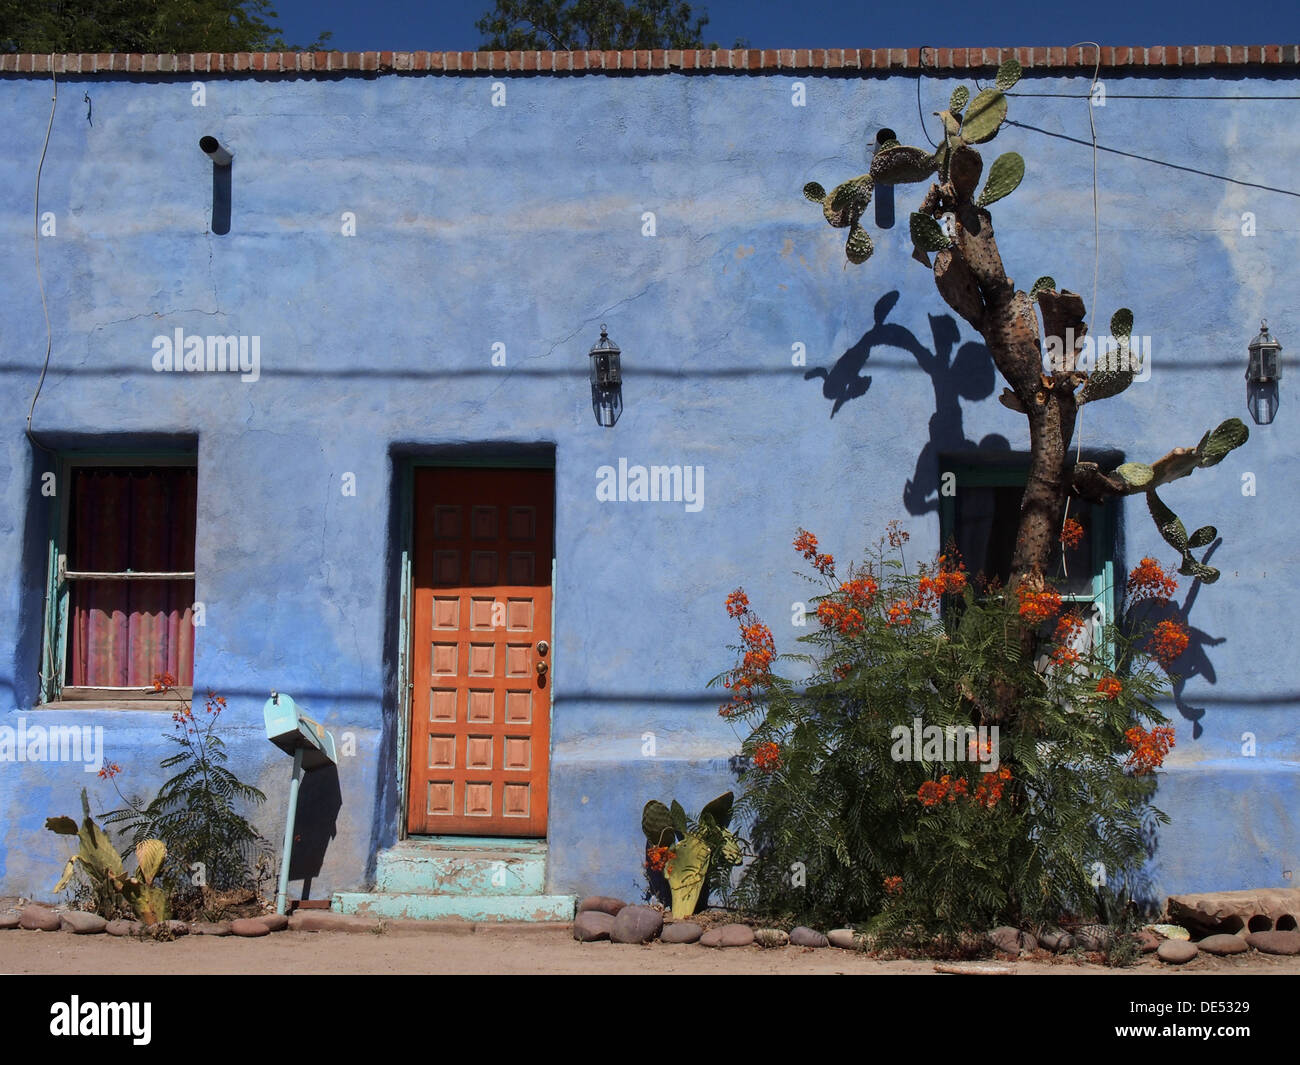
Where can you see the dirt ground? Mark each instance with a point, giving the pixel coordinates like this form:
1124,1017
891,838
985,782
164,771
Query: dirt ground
511,950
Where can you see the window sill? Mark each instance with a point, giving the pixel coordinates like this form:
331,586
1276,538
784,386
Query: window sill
118,699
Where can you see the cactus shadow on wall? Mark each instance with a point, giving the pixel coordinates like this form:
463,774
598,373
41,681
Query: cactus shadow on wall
966,373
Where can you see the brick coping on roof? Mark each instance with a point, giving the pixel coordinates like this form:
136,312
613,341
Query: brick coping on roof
750,60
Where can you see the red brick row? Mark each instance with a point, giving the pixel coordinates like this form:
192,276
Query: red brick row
753,59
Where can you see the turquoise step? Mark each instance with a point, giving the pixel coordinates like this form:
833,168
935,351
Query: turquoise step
428,868
481,908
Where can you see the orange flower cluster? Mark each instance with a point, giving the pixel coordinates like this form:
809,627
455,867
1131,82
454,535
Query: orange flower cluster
1109,687
1067,628
806,544
988,792
894,885
842,670
1071,534
1037,607
214,703
1169,641
900,613
110,771
1149,581
1149,748
737,603
861,591
755,667
946,580
847,620
767,757
163,681
933,792
658,857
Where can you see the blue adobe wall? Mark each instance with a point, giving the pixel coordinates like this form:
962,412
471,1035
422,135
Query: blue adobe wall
523,225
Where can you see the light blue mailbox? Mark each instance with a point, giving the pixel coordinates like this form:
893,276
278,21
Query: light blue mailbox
312,747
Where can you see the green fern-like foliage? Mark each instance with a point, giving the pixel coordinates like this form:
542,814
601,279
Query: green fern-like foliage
196,811
841,806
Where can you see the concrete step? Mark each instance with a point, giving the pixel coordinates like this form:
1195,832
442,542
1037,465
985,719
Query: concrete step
479,908
435,868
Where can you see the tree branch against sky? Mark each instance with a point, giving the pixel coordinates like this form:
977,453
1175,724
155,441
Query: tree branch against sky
570,25
161,26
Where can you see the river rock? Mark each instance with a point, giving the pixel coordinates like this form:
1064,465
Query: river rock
124,928
602,903
80,923
803,936
249,928
210,928
735,935
275,922
9,920
592,925
1223,945
681,932
41,918
771,937
1011,940
1056,941
1148,942
1176,951
636,924
1286,943
844,938
1093,937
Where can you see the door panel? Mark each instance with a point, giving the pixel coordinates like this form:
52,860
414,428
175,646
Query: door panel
480,706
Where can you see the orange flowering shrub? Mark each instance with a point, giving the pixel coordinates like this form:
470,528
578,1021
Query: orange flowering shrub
972,826
658,857
1071,534
1149,581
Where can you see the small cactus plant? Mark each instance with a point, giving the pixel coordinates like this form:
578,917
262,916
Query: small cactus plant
698,849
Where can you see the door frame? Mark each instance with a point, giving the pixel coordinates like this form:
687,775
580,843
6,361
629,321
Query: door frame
532,459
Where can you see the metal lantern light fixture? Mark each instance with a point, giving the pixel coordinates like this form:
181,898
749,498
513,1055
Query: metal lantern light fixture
1265,366
1263,372
606,372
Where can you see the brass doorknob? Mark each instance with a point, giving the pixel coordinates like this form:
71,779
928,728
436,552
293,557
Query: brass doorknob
541,669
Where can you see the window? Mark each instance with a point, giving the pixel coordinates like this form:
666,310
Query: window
122,580
982,517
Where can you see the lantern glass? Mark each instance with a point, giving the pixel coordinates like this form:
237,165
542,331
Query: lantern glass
1264,365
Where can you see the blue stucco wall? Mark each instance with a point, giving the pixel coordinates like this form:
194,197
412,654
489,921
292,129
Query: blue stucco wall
523,225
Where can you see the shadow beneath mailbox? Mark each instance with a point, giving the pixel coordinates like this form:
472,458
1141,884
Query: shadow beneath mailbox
319,801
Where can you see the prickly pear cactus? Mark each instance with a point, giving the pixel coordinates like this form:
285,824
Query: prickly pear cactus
927,234
902,165
1004,176
959,99
859,247
984,116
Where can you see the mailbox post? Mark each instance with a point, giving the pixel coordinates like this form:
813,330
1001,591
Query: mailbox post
312,746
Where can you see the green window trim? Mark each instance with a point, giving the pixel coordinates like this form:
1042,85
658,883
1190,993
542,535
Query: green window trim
54,640
997,473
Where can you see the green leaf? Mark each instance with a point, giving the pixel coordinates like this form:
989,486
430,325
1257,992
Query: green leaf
720,809
657,824
679,817
64,826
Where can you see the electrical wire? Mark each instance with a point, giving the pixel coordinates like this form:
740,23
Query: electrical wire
919,113
36,241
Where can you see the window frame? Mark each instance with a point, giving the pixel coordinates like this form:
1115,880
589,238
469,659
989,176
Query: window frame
1012,472
54,693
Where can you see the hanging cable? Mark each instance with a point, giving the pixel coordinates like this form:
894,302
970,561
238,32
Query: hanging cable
919,113
36,240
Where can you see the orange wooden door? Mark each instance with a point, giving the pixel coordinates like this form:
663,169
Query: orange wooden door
480,706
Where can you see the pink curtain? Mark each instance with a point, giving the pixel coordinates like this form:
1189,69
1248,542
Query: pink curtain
123,632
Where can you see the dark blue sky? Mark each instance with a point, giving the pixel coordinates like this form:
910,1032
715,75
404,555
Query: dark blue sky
448,25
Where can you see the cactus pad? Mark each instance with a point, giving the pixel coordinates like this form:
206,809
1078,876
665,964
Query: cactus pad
1216,444
844,206
814,192
1121,323
1043,284
1008,74
1004,175
1203,537
858,249
902,165
964,168
984,116
959,99
927,234
1136,474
